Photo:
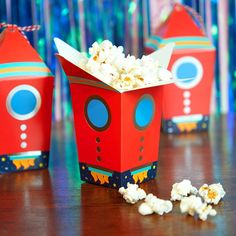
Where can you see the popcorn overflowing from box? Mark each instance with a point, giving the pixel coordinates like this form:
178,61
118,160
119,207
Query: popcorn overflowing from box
109,63
117,103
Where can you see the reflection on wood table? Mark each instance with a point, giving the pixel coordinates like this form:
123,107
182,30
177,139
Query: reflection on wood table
56,202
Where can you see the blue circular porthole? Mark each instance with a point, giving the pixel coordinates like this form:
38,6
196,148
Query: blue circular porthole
97,113
144,111
23,102
188,72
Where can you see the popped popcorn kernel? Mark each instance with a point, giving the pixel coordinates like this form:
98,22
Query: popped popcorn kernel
109,63
156,205
193,205
206,210
190,204
182,189
144,209
212,193
132,193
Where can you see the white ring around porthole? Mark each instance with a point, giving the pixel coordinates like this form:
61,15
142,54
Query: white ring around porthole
192,81
33,107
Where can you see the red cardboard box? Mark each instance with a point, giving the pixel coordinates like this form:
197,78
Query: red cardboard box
117,132
26,88
186,104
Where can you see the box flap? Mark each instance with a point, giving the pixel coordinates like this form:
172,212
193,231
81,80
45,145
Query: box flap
163,55
68,52
70,58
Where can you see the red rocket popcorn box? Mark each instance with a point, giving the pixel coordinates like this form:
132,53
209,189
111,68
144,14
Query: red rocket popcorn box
186,104
117,132
26,88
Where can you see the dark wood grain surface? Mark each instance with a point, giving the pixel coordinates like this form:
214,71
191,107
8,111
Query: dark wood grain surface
56,202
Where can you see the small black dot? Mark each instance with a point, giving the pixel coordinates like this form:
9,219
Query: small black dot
142,139
98,140
140,158
98,149
141,149
99,158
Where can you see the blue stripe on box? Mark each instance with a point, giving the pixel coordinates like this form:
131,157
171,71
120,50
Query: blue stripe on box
23,64
25,73
100,171
141,170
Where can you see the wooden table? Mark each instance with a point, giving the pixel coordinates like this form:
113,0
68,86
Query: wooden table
56,202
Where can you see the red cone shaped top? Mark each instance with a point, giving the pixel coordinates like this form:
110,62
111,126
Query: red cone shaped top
15,48
179,24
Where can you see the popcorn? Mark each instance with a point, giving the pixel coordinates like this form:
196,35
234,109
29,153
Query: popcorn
132,193
194,205
144,209
156,205
108,63
206,210
212,193
190,204
182,189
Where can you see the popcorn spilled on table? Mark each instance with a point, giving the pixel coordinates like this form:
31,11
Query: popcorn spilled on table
182,189
192,201
156,205
132,193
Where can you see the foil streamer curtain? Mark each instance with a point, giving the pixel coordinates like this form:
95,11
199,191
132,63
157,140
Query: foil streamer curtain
80,23
127,23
